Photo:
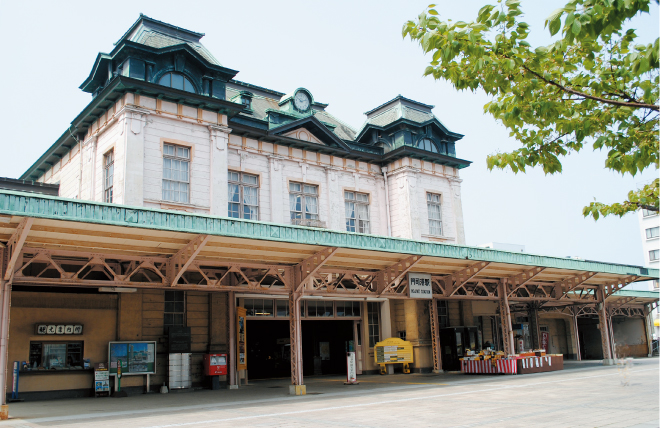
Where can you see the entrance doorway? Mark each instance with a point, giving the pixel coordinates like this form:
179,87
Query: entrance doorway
591,347
324,347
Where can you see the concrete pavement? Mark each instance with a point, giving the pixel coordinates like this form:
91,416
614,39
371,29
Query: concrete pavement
583,395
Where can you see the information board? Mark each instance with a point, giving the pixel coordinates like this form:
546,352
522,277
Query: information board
101,379
137,358
393,351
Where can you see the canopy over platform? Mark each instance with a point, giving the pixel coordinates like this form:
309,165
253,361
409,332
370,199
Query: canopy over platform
68,242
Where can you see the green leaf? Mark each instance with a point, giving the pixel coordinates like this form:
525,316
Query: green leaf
433,12
554,26
576,27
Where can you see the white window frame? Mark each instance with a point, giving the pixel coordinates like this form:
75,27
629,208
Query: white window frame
303,194
653,253
435,224
356,199
108,176
653,232
240,182
182,154
648,213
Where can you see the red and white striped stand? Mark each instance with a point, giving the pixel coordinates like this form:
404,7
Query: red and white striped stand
486,367
351,372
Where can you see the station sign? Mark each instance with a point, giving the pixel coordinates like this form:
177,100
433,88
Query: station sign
58,329
419,285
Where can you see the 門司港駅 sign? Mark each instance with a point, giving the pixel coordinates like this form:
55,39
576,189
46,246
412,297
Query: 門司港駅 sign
419,285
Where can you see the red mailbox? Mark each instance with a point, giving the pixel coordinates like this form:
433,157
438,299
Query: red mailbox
215,364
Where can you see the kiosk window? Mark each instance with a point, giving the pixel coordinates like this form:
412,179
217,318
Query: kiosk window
56,355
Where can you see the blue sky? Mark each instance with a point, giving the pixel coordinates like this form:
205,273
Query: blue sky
349,54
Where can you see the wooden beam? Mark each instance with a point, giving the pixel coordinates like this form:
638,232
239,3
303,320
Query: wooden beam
521,279
308,267
15,244
184,257
458,279
615,286
572,283
386,278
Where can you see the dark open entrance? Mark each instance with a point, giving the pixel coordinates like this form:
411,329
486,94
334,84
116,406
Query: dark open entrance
324,346
591,347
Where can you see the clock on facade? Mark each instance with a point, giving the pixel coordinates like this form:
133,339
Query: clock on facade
301,101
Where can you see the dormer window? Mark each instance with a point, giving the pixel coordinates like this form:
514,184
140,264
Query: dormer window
177,81
427,144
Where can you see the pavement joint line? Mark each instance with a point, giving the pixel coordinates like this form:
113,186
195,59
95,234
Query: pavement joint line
216,406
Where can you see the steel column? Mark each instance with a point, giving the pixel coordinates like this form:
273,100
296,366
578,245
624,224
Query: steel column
604,327
505,315
231,315
435,336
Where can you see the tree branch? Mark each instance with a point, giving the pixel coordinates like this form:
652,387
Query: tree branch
591,97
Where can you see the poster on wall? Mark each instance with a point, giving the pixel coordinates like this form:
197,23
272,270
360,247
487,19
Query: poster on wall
137,358
241,339
545,341
324,350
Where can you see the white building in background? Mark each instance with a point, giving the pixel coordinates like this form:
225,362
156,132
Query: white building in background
649,228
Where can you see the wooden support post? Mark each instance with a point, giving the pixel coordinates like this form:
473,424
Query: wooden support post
231,323
578,353
505,315
603,325
648,325
5,299
435,336
297,387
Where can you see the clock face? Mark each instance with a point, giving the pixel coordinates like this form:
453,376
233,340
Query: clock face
301,101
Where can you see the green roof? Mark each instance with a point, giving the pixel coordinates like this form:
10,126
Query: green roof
639,293
57,208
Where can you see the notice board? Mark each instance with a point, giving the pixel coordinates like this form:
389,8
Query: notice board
392,351
137,358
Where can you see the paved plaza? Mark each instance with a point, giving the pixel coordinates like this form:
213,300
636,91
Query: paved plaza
583,395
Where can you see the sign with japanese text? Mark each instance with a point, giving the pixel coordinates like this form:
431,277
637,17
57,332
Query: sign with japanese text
351,373
419,285
58,329
545,341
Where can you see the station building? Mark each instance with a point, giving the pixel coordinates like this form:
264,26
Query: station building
185,193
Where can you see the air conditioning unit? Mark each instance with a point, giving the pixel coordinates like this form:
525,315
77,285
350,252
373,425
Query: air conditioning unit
308,222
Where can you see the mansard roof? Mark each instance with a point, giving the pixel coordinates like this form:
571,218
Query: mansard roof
151,49
158,34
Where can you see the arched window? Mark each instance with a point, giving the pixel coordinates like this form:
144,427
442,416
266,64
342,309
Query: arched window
427,144
177,81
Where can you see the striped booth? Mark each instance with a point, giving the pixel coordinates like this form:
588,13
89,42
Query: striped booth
487,367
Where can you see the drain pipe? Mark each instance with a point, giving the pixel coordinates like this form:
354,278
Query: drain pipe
387,201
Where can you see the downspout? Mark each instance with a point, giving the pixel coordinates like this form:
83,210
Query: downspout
387,202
